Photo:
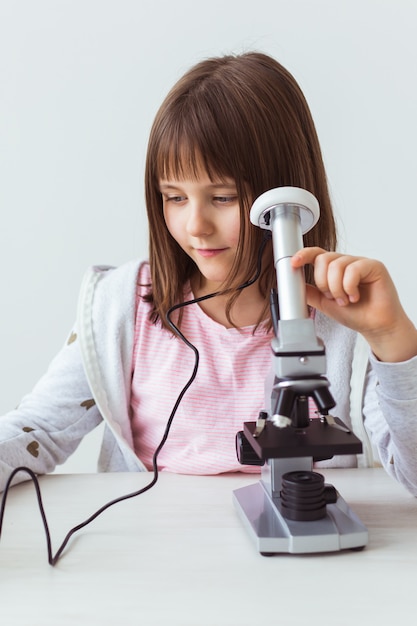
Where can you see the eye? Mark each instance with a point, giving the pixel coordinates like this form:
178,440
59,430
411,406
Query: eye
174,199
225,199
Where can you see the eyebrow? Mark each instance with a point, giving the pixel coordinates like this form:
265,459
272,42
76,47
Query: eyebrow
163,186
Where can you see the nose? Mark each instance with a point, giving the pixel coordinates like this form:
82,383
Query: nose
199,223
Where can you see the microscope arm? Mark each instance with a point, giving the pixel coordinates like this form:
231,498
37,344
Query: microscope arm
299,356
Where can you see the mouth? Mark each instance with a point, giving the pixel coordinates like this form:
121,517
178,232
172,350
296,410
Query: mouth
209,252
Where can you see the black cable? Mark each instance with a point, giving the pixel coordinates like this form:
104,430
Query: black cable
53,559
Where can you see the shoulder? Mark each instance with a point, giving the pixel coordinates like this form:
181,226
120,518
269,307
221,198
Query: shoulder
110,274
103,279
109,290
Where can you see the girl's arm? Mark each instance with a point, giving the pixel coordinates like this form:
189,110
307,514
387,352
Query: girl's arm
360,294
390,410
49,423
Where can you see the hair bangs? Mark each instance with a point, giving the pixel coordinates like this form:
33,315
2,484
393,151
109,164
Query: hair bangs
191,142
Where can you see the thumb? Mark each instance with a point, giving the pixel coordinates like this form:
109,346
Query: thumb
317,300
314,297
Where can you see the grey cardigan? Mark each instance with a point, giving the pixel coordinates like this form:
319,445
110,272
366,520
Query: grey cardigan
90,380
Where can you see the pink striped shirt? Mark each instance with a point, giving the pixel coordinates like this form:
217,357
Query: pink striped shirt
228,390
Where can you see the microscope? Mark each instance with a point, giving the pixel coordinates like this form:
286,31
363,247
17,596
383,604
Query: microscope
291,509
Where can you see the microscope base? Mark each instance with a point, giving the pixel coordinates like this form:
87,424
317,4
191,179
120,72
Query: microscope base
340,529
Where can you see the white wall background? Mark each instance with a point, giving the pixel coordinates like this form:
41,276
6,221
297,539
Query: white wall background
80,82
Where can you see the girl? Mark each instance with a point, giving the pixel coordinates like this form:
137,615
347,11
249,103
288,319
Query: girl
230,129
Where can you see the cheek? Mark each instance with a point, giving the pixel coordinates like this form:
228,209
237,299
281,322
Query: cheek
233,229
172,224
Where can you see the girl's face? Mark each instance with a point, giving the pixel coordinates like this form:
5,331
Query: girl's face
203,217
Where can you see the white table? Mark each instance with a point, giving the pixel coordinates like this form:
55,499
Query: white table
179,554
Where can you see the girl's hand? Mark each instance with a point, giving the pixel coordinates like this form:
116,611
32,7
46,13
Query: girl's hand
360,294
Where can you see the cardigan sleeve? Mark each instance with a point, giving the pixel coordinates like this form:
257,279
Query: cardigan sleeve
49,423
390,412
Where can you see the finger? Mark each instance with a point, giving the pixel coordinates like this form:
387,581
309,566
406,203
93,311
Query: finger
306,256
336,275
329,269
343,279
362,272
320,259
355,273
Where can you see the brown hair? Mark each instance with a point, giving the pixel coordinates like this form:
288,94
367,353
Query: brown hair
245,118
